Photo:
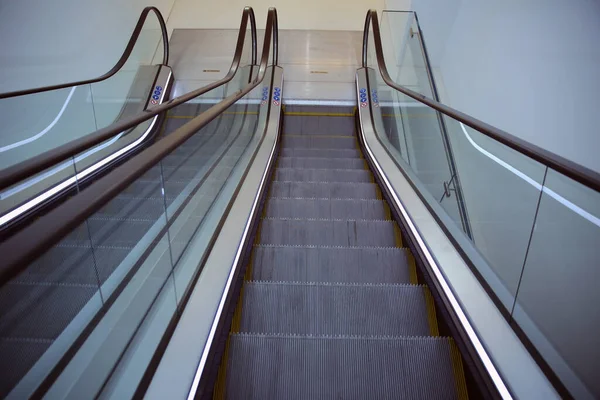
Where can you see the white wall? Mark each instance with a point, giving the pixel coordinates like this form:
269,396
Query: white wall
49,42
529,67
293,14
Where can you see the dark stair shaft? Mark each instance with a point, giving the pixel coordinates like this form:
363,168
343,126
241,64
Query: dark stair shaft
329,309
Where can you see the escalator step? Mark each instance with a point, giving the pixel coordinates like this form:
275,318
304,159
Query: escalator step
340,190
309,367
328,232
322,153
318,142
330,264
321,162
334,309
310,108
319,124
325,208
322,175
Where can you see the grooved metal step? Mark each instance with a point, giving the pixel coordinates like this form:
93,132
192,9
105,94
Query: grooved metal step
308,367
323,153
321,162
322,175
330,264
328,232
319,142
325,190
319,124
334,309
325,208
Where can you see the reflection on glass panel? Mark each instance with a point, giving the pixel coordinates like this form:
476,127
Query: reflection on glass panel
538,230
36,123
44,309
126,227
195,180
125,93
22,197
558,296
501,188
126,378
403,50
132,255
417,135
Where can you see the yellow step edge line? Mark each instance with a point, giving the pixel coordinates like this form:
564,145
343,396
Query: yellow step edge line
387,211
317,114
237,315
459,372
249,269
431,316
361,155
397,235
378,194
412,269
365,165
220,384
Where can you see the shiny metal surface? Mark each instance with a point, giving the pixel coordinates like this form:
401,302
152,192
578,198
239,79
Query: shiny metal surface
319,65
200,56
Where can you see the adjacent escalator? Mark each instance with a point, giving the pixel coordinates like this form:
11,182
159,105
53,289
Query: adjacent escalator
50,295
51,307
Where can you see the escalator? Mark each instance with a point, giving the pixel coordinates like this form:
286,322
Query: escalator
51,305
45,300
261,250
331,306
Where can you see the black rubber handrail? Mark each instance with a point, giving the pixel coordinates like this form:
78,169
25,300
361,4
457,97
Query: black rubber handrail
39,236
126,53
560,164
18,172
